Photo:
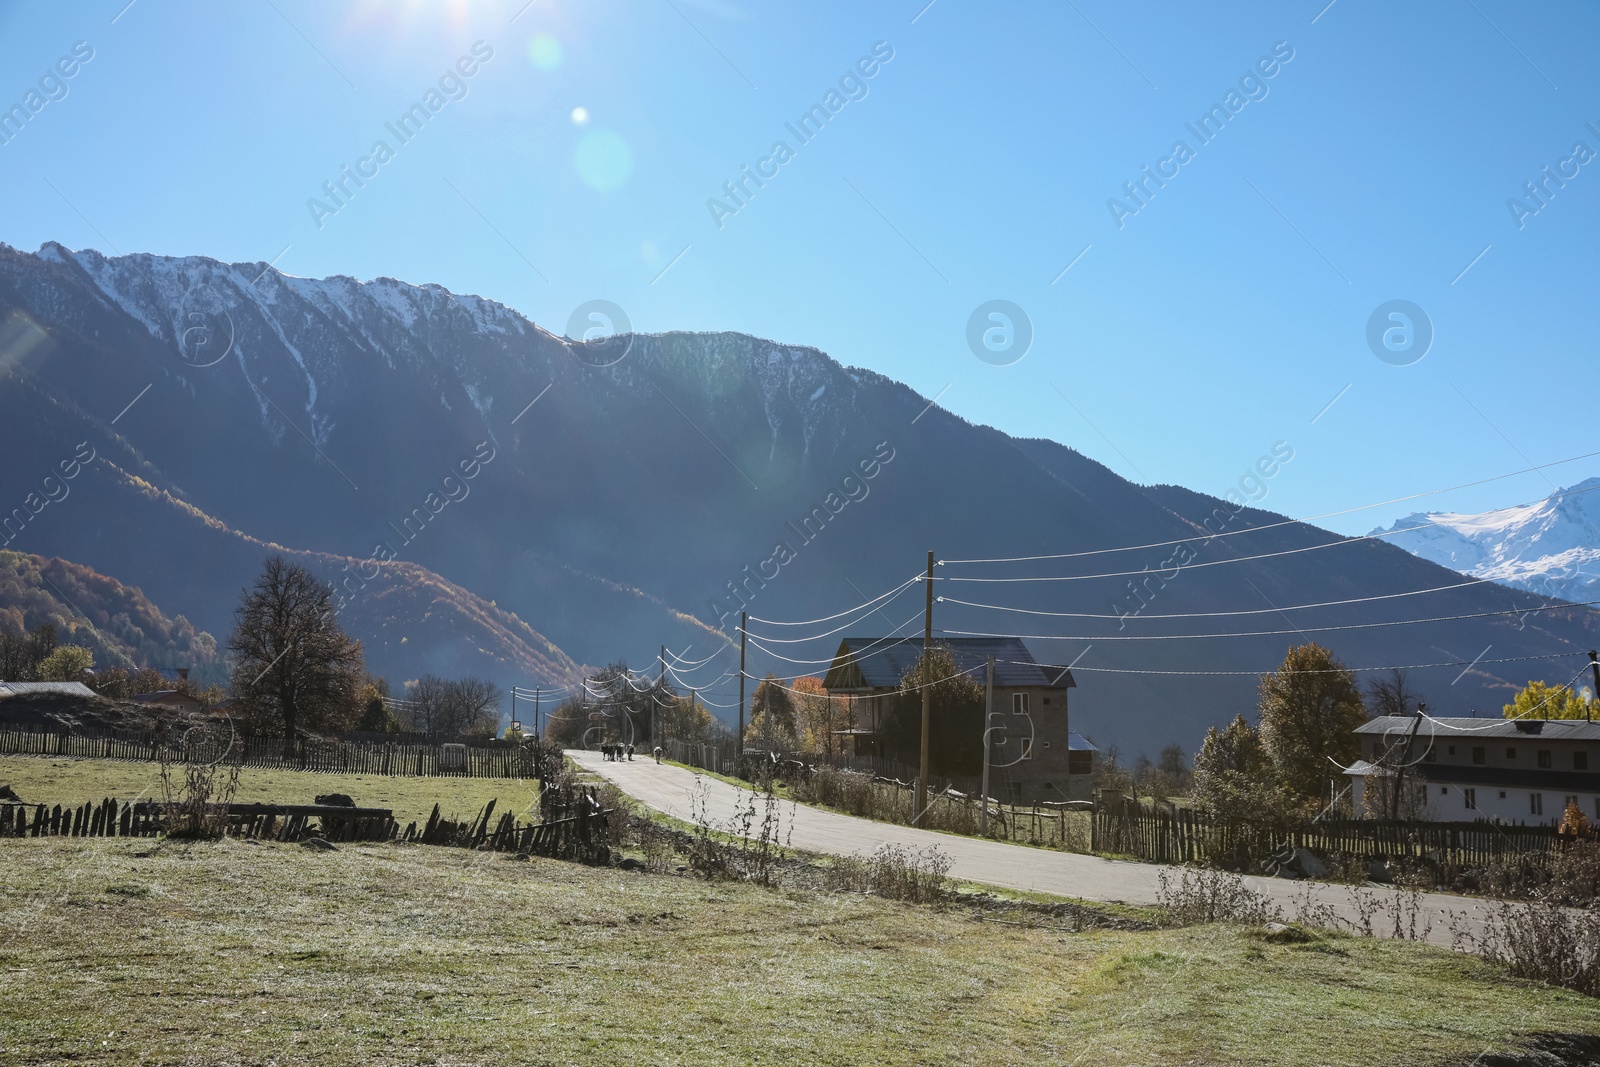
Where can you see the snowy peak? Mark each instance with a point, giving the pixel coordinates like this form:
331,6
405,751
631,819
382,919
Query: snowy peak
1550,547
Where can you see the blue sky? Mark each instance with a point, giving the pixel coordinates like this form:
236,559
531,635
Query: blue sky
1223,316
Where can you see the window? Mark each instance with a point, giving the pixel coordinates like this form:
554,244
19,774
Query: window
1451,751
1469,797
1479,756
1444,789
1047,704
1427,757
1502,794
1511,753
1536,803
1570,800
1027,748
1083,763
1580,761
1047,744
1544,757
1019,703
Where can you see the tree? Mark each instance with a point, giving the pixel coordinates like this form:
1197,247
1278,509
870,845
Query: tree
294,669
1234,778
955,713
1172,775
772,716
460,707
65,663
1310,708
1540,701
376,716
1393,695
686,719
818,715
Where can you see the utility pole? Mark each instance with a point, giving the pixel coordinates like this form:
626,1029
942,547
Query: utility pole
655,705
738,748
536,732
828,743
1594,665
514,706
983,791
927,695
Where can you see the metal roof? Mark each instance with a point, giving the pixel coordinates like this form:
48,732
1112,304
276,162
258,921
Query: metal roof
1079,743
881,663
1461,727
74,689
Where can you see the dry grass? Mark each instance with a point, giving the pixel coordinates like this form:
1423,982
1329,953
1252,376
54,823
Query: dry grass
232,952
71,782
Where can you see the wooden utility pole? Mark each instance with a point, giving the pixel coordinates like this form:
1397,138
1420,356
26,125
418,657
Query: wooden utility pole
983,790
1594,664
738,747
927,695
536,734
661,687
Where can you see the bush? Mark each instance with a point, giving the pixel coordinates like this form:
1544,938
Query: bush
895,873
1542,941
1202,895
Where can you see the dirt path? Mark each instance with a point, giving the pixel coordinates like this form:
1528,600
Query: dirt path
671,790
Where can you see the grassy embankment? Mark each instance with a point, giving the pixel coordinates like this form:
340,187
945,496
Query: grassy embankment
122,952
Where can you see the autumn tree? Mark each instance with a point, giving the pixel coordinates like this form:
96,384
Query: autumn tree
1310,707
294,669
772,716
66,663
1540,701
817,716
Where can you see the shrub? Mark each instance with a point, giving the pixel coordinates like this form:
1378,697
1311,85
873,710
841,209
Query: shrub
1201,895
895,873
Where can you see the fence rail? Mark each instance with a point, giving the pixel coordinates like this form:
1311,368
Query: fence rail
306,754
1184,836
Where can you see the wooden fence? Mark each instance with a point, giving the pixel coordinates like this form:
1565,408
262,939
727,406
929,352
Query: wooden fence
273,822
305,754
579,829
1184,836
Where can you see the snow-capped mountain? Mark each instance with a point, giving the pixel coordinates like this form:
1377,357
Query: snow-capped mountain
630,493
1550,547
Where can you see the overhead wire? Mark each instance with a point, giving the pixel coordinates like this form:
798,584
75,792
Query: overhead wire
1330,670
1213,614
1512,718
1271,633
829,618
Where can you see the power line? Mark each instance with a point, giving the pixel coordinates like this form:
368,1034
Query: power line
829,618
892,635
1258,674
1270,633
1215,614
1295,522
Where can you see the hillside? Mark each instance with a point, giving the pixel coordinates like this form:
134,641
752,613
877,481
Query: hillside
116,622
625,509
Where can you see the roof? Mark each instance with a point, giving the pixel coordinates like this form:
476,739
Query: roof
75,689
166,696
866,663
1466,728
1079,743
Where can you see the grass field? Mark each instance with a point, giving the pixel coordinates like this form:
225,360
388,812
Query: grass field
125,952
71,782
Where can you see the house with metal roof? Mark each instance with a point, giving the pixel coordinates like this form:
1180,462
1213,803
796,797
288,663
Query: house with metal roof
1033,756
1510,770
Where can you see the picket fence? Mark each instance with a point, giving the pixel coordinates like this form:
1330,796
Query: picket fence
1184,836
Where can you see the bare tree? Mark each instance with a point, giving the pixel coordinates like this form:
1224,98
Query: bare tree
294,669
1393,695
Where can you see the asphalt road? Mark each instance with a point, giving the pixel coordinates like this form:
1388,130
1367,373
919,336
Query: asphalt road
672,790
